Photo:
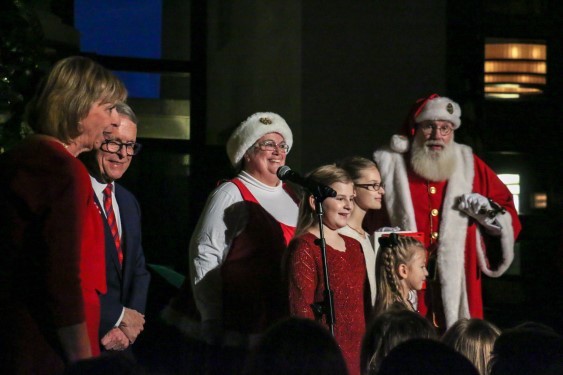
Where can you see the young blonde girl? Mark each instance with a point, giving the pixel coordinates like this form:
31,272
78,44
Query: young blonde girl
345,263
400,269
474,338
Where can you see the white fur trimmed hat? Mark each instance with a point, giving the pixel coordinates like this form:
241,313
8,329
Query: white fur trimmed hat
252,129
440,108
432,107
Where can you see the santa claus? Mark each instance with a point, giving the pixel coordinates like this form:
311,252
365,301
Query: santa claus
439,187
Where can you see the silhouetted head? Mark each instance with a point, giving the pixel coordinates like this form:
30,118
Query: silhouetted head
388,330
296,346
530,348
425,357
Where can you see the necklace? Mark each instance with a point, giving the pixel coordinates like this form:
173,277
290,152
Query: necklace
65,145
360,232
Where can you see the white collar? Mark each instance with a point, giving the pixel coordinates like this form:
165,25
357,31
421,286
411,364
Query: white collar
99,187
246,177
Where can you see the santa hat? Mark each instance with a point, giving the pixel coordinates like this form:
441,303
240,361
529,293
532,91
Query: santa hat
432,107
252,129
440,108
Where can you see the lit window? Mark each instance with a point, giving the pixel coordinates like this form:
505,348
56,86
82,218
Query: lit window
539,200
514,68
512,182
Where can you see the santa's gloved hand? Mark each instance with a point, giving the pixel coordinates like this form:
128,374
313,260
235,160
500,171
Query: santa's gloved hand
479,208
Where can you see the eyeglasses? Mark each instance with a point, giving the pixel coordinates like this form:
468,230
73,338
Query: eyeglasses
428,128
376,186
269,145
115,147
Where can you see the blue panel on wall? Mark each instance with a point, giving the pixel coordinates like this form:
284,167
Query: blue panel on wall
141,85
123,28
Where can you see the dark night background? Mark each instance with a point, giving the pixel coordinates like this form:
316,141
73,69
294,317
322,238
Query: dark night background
343,73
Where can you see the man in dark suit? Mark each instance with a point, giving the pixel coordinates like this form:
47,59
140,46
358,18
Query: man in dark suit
123,306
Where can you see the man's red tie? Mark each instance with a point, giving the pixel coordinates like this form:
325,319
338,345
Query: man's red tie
108,207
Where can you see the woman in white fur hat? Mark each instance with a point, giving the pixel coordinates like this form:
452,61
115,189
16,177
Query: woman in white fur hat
237,246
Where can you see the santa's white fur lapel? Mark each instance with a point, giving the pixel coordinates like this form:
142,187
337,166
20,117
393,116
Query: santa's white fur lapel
453,232
397,192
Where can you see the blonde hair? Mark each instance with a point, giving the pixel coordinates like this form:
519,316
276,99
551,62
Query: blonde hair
396,251
66,95
474,338
326,175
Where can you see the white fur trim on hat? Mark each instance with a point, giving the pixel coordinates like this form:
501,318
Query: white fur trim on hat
441,108
399,143
252,129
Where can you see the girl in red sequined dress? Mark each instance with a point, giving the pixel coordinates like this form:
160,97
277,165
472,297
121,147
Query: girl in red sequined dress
345,263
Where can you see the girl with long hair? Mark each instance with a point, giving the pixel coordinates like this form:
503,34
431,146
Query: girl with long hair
345,263
400,269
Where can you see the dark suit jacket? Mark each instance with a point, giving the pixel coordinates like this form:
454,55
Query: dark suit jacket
127,286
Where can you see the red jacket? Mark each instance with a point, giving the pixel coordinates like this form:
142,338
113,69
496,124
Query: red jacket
53,256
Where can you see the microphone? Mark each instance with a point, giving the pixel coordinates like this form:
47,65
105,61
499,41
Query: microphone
285,173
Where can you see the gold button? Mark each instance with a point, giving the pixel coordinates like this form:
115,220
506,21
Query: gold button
432,190
434,212
434,235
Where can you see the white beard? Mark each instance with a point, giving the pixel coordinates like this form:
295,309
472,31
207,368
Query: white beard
433,165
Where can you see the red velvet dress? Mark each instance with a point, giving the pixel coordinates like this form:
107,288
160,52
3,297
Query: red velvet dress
348,280
53,255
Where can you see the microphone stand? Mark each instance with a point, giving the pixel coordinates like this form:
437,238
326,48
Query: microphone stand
325,307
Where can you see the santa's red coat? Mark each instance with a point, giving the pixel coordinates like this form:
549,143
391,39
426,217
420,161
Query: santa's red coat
464,249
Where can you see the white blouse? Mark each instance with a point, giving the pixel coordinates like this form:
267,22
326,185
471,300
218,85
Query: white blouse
369,256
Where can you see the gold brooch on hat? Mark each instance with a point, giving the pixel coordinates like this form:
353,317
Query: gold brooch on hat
265,120
450,108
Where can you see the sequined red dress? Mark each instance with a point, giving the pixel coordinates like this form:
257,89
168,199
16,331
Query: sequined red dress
347,276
